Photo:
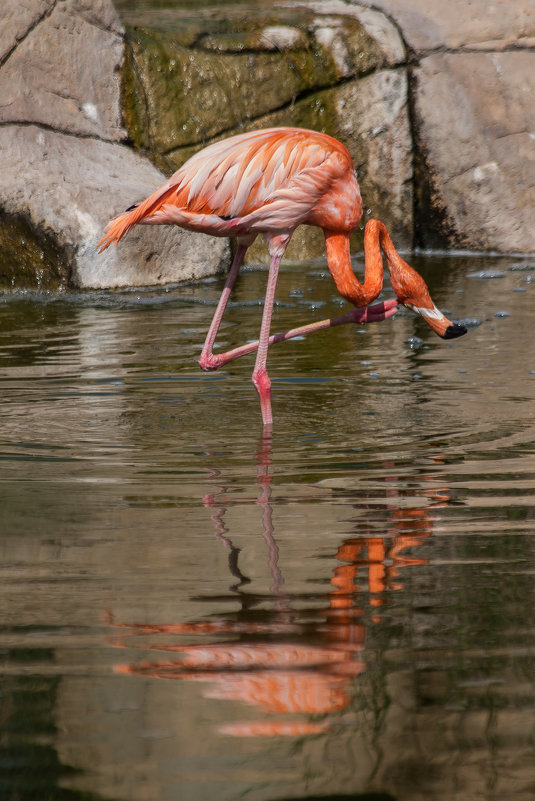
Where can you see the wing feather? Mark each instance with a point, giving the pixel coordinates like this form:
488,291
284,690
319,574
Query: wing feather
239,175
265,179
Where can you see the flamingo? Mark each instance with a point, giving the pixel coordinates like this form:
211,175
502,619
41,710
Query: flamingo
268,182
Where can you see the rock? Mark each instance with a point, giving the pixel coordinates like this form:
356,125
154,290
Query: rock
63,169
430,25
375,24
178,97
473,121
67,217
49,77
19,19
476,135
373,121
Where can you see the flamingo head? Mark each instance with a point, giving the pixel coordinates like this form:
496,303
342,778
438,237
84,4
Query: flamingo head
412,292
438,322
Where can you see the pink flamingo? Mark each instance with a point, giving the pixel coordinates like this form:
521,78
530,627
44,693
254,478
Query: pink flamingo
269,182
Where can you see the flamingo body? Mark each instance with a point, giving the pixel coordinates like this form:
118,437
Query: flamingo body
269,182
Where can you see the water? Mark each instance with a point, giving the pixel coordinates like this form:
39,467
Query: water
191,611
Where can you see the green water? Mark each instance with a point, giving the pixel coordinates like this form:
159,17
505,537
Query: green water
192,611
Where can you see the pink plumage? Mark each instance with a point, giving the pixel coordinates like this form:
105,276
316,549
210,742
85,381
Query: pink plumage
265,181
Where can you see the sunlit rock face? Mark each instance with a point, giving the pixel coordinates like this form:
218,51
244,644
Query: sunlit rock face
64,167
473,120
476,131
341,73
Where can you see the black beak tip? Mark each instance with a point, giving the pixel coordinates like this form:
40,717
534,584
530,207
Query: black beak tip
454,330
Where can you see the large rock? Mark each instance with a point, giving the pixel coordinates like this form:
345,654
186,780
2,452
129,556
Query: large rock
51,222
63,71
431,25
63,171
476,134
473,120
373,121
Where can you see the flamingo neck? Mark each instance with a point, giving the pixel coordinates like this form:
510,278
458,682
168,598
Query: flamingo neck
406,282
347,284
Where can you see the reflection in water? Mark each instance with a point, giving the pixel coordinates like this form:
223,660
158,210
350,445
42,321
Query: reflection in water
283,666
364,580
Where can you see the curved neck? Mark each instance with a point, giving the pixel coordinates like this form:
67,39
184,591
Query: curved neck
347,284
408,285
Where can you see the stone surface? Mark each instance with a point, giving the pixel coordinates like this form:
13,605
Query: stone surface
63,171
19,19
64,72
178,96
459,25
69,216
373,121
475,118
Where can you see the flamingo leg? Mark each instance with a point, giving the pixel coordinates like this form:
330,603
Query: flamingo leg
207,360
260,376
363,314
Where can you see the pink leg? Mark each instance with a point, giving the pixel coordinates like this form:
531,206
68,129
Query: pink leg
260,375
364,314
208,361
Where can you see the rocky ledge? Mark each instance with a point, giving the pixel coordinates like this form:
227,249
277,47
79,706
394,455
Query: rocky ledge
65,168
433,100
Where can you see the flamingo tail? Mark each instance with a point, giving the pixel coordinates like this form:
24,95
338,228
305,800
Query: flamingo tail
162,213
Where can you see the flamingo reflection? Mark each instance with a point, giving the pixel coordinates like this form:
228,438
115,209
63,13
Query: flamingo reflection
297,665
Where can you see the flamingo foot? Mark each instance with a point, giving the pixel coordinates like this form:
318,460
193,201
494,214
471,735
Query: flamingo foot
209,362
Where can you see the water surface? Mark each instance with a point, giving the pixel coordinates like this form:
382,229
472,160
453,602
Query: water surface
191,610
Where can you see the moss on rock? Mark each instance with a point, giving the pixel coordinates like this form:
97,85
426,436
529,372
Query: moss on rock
31,258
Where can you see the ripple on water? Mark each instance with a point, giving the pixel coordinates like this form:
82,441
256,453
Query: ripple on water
159,553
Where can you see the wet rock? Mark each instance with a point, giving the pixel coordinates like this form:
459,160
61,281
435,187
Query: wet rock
63,169
176,98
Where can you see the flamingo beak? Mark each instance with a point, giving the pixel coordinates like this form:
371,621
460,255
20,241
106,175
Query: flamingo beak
438,322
